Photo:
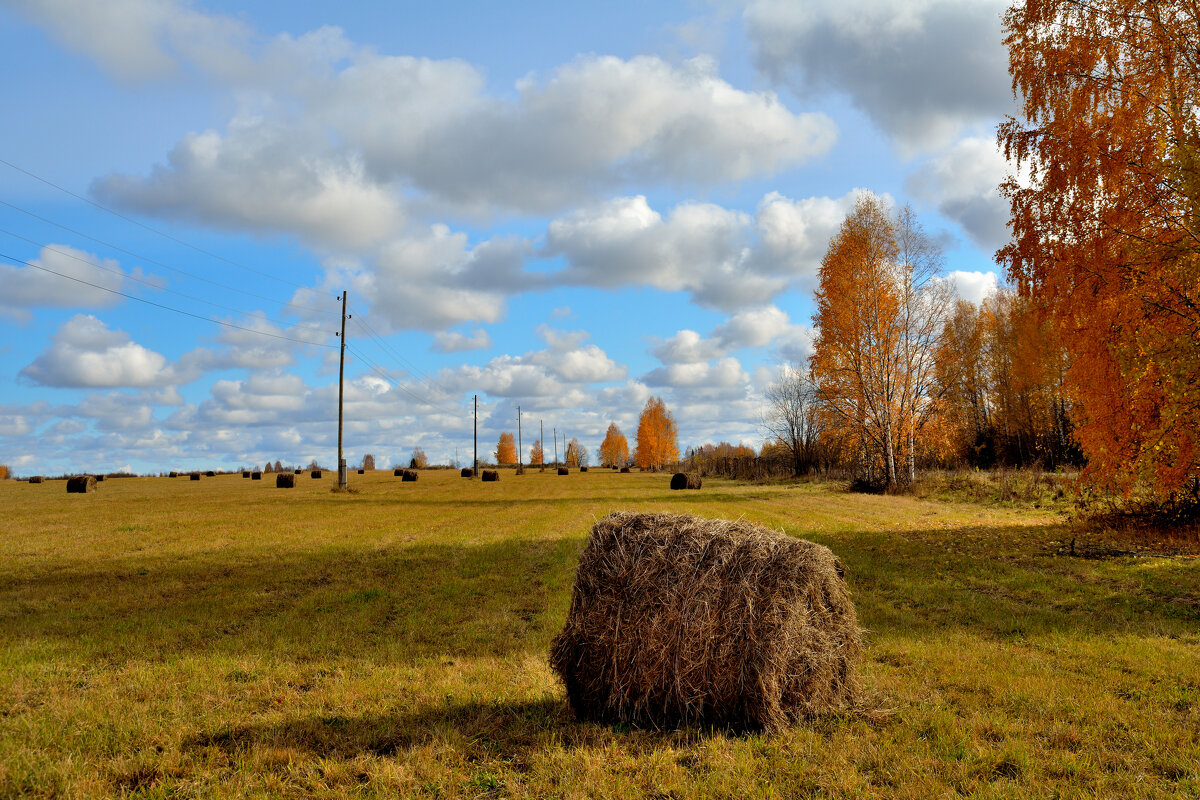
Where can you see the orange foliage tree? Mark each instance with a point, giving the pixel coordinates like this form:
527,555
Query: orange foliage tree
418,460
536,456
656,436
506,449
880,307
614,450
1105,220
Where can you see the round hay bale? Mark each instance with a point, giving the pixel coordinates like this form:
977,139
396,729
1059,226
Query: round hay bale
298,472
246,474
466,472
195,476
316,473
210,474
678,619
624,469
563,471
490,475
362,472
99,478
173,475
36,479
285,480
408,476
256,476
583,469
685,480
396,473
81,484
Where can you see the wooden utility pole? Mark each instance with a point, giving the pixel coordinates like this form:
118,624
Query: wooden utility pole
555,432
520,455
542,444
341,390
475,461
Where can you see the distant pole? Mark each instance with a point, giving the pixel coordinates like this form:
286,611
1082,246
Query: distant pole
520,456
475,462
341,391
555,432
542,445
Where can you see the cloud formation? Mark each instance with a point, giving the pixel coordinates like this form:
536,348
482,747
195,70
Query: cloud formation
963,183
27,287
921,70
85,353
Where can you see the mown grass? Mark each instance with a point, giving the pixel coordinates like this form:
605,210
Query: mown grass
222,638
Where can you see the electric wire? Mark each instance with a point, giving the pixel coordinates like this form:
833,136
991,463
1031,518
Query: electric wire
16,260
383,345
381,372
156,287
162,265
144,226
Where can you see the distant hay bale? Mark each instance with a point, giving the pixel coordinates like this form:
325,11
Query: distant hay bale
583,469
210,474
81,484
362,472
466,472
195,476
316,473
624,469
563,471
256,476
99,478
396,473
246,474
685,480
490,475
408,476
681,620
173,475
520,470
298,472
36,479
285,480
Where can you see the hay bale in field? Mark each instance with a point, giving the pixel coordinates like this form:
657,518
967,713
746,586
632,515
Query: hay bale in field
564,471
285,480
683,620
490,475
245,474
685,480
35,479
256,476
298,472
172,474
624,469
408,476
81,484
583,469
397,472
316,473
210,474
195,476
466,472
99,478
362,472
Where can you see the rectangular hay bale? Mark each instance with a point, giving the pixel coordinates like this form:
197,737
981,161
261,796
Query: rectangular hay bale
682,620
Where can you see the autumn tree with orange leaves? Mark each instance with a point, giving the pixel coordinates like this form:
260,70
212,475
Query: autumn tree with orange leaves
656,436
1105,223
506,449
536,456
614,450
880,310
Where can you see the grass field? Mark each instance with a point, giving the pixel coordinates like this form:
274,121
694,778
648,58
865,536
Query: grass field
222,638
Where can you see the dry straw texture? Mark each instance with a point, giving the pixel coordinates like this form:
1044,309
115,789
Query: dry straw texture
408,475
490,475
681,620
285,480
81,484
36,479
685,480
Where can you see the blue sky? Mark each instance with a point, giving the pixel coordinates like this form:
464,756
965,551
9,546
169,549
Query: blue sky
563,208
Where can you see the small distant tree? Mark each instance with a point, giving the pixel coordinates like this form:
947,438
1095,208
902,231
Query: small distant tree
506,449
577,454
656,437
614,450
278,465
267,468
419,460
313,465
790,417
368,462
4,472
536,455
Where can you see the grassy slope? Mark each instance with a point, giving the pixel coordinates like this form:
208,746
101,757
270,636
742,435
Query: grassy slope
164,637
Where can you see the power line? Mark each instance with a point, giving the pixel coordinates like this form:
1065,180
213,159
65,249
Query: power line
383,345
382,373
148,260
16,260
153,285
144,226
